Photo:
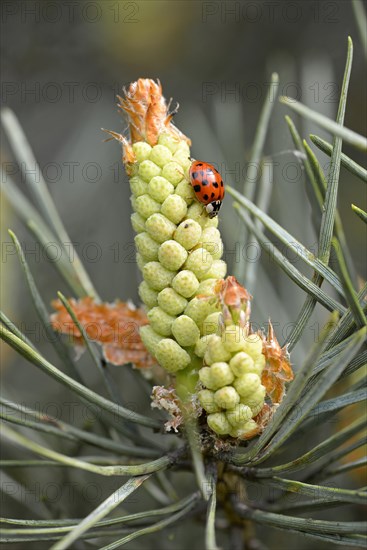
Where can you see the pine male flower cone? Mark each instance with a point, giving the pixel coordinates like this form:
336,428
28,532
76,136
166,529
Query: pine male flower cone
198,320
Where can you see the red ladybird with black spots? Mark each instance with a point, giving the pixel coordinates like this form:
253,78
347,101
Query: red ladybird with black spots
208,186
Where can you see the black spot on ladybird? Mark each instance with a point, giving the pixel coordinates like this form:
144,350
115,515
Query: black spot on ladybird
199,164
221,183
204,182
205,197
197,188
194,175
215,184
213,195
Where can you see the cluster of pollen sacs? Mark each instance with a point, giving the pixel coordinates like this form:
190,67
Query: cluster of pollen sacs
179,251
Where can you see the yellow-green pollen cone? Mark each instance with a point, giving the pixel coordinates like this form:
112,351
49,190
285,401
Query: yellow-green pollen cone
233,393
179,251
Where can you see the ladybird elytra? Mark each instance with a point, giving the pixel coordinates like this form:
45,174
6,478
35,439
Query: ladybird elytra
208,186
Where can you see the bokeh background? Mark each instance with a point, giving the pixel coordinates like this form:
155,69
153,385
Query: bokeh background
63,64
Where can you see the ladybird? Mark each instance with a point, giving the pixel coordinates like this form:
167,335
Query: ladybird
208,186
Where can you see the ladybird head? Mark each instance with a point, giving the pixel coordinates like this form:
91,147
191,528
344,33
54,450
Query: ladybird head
213,208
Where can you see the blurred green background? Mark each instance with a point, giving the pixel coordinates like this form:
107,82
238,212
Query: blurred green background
63,64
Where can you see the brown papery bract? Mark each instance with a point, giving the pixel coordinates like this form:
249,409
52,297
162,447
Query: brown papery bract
148,112
114,326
